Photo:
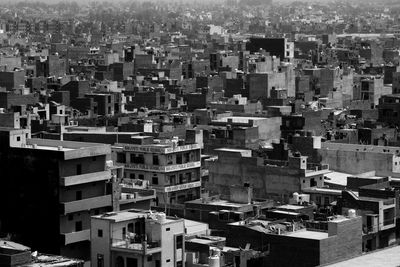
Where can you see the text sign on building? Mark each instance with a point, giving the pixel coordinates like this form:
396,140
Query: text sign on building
182,187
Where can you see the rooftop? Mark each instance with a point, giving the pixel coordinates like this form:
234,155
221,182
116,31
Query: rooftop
133,214
389,257
308,234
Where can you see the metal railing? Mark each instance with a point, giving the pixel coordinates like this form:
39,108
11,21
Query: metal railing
135,246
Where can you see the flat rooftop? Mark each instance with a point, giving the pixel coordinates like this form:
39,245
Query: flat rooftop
389,257
308,234
240,119
291,207
218,202
132,215
339,178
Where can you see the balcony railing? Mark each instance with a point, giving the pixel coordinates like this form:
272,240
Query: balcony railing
74,237
166,168
389,201
138,196
142,248
161,150
86,204
85,178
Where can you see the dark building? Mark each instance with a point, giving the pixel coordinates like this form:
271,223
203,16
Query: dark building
56,187
12,79
275,46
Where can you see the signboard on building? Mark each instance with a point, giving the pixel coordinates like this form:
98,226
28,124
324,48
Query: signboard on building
182,187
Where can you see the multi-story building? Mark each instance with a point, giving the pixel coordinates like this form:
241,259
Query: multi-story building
53,187
137,238
389,109
172,168
271,178
299,244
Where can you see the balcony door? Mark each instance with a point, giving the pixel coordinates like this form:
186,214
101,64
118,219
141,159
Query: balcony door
131,262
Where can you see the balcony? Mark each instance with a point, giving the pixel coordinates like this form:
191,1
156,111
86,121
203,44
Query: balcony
129,195
85,178
74,237
86,204
142,248
157,149
166,168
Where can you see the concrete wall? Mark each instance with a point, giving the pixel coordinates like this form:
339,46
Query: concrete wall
267,181
357,159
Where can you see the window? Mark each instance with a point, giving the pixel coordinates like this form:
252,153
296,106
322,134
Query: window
179,264
179,242
79,169
137,158
154,180
123,232
70,217
179,159
172,179
168,229
150,258
141,177
100,260
168,260
100,233
155,160
78,226
132,175
18,138
121,158
78,195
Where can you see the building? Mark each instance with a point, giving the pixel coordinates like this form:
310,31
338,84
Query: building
299,244
172,168
279,47
60,185
273,179
384,160
378,214
14,254
137,238
389,109
218,210
12,79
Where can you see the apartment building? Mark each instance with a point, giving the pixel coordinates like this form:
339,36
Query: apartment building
52,189
137,238
171,167
274,179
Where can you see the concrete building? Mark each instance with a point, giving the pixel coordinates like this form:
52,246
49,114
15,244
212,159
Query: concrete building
172,168
12,79
137,238
372,89
60,185
272,179
389,109
268,128
14,254
355,158
295,244
378,214
236,104
218,210
279,47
